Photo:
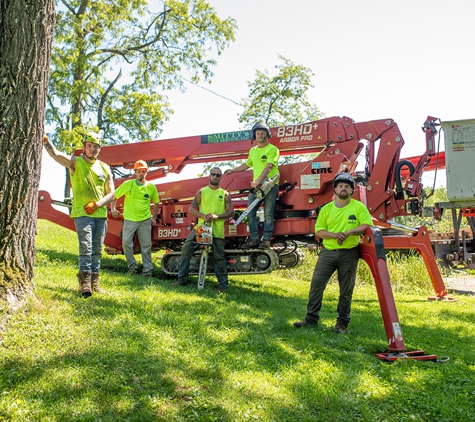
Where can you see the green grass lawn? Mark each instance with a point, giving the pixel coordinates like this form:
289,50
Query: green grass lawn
149,351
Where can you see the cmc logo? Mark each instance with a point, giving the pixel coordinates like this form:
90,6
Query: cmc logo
322,171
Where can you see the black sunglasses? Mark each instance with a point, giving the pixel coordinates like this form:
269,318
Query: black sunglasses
215,174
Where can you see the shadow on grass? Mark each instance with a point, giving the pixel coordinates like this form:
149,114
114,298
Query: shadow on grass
173,353
180,355
180,369
184,363
108,262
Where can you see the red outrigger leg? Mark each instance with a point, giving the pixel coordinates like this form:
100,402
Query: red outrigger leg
420,241
373,252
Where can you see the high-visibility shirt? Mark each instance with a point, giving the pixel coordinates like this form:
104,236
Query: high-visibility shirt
335,220
137,199
259,157
213,201
89,185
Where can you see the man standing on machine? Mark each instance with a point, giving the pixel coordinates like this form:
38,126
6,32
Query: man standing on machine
263,158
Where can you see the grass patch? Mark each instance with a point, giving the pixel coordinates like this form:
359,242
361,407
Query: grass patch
149,351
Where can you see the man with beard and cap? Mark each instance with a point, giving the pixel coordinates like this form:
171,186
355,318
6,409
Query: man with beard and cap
340,225
138,193
211,204
93,188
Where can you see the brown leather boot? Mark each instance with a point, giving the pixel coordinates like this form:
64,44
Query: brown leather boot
84,284
95,284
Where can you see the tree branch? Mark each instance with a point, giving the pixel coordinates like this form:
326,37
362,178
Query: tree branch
55,111
103,99
82,7
68,6
139,47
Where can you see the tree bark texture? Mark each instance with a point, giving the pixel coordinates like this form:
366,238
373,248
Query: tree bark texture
26,36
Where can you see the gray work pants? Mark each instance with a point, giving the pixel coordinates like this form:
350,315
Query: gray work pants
144,234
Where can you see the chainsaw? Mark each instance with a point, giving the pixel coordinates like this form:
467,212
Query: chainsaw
204,238
260,191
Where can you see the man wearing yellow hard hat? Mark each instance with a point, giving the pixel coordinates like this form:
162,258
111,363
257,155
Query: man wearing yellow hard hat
93,188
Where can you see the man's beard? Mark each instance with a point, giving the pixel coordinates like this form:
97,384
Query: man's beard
90,158
214,182
343,194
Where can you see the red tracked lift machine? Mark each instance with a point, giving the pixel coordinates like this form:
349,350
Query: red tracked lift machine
389,187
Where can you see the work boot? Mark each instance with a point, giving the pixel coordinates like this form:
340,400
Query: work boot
265,244
306,322
340,328
181,283
253,243
84,284
95,284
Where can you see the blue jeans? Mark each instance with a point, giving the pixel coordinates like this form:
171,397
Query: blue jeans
91,232
220,264
269,211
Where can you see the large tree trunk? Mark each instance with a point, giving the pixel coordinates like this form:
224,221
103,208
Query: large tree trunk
26,35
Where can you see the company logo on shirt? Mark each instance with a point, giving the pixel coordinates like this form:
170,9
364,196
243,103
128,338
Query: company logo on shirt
220,198
146,196
264,158
352,219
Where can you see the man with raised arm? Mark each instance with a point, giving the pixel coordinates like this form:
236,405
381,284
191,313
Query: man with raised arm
93,188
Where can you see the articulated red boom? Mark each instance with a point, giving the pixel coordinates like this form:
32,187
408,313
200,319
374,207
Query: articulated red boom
336,141
335,144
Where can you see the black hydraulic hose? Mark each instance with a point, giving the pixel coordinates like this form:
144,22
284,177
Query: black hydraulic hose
399,166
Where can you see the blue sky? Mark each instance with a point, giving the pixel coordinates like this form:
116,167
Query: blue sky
372,59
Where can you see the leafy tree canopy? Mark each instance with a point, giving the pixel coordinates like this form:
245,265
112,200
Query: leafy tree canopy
281,99
278,101
113,61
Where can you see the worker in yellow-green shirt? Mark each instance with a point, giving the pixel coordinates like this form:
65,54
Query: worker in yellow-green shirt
340,224
212,204
139,194
93,189
263,158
